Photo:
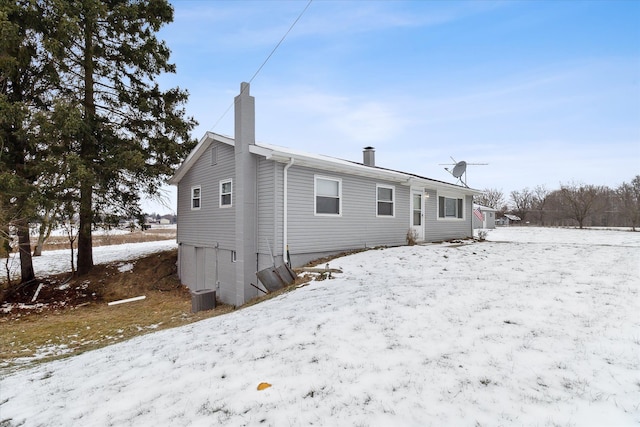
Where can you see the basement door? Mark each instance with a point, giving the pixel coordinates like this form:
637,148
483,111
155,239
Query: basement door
417,213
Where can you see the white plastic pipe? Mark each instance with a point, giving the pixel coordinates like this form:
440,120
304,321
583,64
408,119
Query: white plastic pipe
122,301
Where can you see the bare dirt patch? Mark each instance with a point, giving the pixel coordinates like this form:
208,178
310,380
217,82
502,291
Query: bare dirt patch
71,315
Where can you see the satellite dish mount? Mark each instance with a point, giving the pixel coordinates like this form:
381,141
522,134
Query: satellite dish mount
459,170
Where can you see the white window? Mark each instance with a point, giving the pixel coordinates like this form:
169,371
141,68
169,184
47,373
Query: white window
385,200
196,198
450,208
226,190
328,196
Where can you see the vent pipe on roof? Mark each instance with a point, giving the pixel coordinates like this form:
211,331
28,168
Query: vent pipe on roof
369,156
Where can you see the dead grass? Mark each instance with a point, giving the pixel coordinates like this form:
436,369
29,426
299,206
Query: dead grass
77,318
73,315
106,238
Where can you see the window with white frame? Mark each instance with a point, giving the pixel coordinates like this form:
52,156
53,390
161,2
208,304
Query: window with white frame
226,190
328,196
450,208
385,200
196,198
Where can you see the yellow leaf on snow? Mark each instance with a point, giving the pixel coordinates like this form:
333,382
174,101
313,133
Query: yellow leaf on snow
262,386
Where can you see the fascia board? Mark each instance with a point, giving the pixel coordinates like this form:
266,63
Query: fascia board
202,146
332,165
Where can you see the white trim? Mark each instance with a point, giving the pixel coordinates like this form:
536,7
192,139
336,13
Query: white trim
454,197
326,163
199,198
315,195
393,200
222,182
421,229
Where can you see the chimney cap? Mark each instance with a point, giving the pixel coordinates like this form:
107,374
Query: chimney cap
369,148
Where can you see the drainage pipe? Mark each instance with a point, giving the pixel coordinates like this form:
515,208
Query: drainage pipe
285,214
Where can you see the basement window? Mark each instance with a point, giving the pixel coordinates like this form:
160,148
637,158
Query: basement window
385,199
328,196
450,208
196,198
226,189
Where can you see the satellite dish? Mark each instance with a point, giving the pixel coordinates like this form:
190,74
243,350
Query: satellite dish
459,169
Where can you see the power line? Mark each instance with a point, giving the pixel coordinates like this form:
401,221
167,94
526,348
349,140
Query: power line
267,59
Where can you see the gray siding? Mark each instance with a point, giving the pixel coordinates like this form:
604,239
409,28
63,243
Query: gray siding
438,229
207,236
490,219
208,268
357,227
270,209
210,225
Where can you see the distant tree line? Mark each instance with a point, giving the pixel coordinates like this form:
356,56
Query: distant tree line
84,127
573,204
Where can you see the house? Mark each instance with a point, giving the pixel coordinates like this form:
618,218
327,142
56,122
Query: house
484,217
245,206
508,219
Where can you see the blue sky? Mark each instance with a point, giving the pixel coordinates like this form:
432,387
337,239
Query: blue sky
545,92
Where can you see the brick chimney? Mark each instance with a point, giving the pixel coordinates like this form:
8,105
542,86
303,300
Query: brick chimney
369,156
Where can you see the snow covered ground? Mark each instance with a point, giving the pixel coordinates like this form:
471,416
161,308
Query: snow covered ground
533,327
59,261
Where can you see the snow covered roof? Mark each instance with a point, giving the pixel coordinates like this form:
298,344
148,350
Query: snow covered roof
512,217
319,161
484,208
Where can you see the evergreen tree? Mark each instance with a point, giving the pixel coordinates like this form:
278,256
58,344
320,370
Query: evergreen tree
131,135
24,83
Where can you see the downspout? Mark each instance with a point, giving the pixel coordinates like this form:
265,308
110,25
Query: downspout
285,215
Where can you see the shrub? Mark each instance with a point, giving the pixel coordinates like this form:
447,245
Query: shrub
412,237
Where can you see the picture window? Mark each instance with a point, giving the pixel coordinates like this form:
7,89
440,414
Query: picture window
450,208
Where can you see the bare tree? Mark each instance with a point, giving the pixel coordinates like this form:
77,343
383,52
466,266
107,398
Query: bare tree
629,194
491,198
580,200
47,222
522,203
71,230
540,198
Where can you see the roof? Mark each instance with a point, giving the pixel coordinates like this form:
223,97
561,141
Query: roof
484,208
512,217
300,158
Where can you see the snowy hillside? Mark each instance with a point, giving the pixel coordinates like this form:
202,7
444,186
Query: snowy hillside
534,327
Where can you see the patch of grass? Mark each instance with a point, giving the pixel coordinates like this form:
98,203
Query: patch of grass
80,324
